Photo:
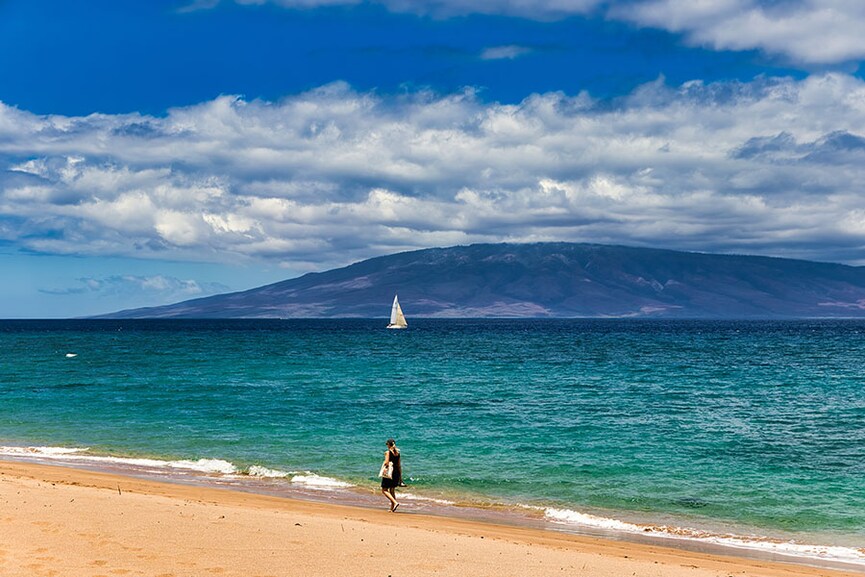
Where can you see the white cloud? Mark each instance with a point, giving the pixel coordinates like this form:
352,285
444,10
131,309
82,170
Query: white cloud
803,31
332,176
508,52
809,31
542,9
196,5
164,288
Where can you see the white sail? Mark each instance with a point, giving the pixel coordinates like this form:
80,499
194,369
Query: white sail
397,319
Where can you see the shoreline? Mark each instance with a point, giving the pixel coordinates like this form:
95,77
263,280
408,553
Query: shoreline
309,486
38,497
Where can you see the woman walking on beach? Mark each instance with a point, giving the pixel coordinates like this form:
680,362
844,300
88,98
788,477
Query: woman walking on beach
389,485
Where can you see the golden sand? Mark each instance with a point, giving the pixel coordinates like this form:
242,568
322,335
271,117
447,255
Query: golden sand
57,521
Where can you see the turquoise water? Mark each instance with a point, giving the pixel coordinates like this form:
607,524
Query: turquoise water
752,428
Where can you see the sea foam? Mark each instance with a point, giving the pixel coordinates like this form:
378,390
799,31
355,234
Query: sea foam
413,497
40,451
318,482
206,466
267,473
776,546
563,517
80,455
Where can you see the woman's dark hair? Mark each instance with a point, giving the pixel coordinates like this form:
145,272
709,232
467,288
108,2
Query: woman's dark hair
390,443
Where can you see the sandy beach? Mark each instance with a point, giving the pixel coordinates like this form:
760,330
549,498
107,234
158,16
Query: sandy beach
58,521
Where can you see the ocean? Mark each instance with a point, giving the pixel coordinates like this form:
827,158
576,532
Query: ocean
743,434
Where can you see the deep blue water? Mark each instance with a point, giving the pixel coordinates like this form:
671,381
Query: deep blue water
745,426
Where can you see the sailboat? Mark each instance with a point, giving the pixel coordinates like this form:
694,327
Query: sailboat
397,319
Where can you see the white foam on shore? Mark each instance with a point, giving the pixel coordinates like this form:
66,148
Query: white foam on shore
79,455
777,546
413,497
260,471
40,451
565,517
306,479
314,481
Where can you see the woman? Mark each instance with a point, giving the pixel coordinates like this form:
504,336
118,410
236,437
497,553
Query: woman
388,486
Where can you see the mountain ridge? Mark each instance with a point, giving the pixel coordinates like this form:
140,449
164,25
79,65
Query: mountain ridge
552,280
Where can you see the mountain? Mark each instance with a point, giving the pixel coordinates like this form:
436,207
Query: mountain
548,280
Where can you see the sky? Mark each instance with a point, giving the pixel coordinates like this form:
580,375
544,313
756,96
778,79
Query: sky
152,152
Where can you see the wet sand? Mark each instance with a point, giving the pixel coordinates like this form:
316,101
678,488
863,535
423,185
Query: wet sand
64,522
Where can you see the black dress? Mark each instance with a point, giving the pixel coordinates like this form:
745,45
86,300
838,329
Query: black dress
396,479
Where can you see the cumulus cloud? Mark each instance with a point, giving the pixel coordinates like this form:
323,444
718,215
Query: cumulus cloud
164,288
810,31
331,176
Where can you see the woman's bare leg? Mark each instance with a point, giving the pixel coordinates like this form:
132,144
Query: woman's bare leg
393,498
390,497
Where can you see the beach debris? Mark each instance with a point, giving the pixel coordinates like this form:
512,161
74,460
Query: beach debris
118,490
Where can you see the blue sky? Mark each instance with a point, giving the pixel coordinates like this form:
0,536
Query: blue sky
156,151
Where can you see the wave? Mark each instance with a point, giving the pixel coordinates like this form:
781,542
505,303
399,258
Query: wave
80,455
206,466
413,497
266,473
318,482
765,544
306,480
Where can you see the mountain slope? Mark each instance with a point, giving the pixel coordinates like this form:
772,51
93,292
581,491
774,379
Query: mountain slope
548,280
